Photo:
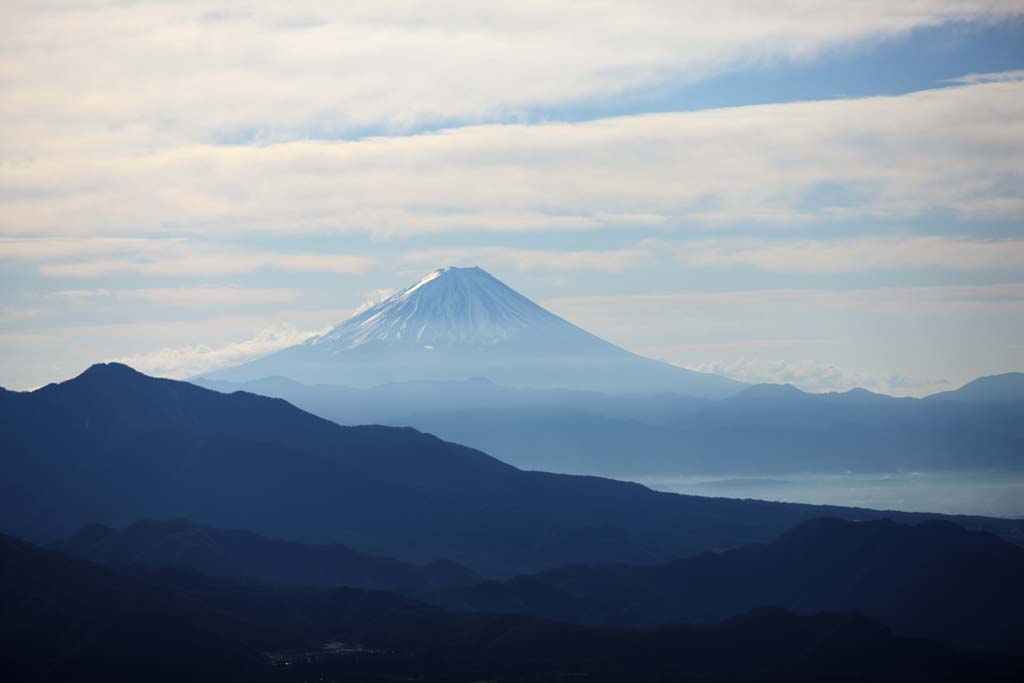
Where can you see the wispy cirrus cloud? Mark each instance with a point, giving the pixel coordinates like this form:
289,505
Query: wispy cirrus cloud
941,299
736,344
203,265
194,359
864,253
504,258
186,296
95,257
992,77
176,345
951,149
153,73
42,248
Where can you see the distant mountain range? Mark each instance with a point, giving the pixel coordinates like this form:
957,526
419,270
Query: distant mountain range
68,619
113,446
764,429
461,355
460,323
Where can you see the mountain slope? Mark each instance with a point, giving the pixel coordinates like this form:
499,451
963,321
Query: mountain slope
459,323
244,554
68,619
932,580
113,446
994,388
763,429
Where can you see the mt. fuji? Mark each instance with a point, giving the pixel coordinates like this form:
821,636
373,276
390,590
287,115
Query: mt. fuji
459,323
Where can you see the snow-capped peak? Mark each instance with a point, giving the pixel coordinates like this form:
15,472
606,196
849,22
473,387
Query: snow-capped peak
450,306
457,323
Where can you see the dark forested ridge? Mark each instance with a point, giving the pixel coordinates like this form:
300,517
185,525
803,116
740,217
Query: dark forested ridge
239,553
113,446
933,580
69,619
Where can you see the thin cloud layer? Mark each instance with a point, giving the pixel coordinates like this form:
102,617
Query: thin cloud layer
827,256
957,150
185,296
161,72
191,359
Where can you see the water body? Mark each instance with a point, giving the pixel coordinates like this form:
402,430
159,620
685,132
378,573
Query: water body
969,493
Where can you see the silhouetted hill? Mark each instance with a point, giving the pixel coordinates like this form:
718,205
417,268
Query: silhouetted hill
113,446
244,554
67,619
933,580
994,388
764,429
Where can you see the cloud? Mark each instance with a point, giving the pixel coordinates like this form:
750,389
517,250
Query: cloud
13,313
866,253
92,257
816,376
160,72
994,77
186,296
189,360
955,149
607,261
19,340
199,264
662,351
146,335
373,298
82,294
209,296
23,248
945,300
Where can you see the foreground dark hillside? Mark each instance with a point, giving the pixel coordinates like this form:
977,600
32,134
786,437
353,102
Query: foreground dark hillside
68,619
243,554
113,446
932,580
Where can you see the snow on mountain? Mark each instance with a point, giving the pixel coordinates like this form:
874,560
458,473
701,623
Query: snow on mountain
458,323
449,307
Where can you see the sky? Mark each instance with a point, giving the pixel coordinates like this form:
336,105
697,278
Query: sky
824,193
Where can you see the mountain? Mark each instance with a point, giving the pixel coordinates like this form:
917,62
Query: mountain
69,619
764,429
933,580
459,323
994,388
244,554
113,446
